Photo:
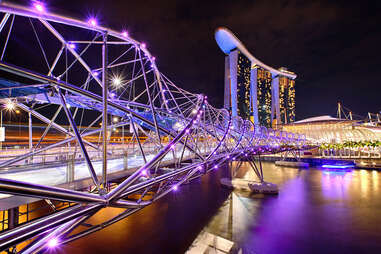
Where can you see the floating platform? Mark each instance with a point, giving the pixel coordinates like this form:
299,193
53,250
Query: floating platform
252,186
292,164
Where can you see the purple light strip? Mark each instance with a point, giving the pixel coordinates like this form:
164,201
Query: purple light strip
337,166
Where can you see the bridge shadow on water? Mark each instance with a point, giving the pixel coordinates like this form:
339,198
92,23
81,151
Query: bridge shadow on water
167,226
316,211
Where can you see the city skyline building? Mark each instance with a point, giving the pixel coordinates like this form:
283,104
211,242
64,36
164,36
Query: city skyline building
254,90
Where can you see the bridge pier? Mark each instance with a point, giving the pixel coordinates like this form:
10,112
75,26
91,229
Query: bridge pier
260,186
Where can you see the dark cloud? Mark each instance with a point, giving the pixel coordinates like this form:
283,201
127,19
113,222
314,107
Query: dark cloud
333,46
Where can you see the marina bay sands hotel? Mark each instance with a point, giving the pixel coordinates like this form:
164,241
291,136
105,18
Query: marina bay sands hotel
254,90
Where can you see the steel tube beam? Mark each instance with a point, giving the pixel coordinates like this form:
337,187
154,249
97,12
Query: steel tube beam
100,226
32,75
14,187
126,183
104,103
79,140
31,229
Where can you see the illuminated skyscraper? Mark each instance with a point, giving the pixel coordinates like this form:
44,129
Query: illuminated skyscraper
264,96
286,98
243,86
254,90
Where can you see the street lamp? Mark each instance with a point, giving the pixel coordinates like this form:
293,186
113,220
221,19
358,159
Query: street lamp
116,81
9,106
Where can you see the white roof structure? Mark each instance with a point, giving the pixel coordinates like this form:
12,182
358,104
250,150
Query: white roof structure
319,119
327,129
227,41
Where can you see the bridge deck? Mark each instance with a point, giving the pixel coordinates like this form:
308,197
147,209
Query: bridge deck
58,175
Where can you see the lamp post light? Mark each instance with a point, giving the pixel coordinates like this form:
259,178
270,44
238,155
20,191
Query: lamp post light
10,106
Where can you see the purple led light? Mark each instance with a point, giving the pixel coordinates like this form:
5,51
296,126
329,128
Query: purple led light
72,46
143,45
125,34
175,187
199,167
215,166
39,7
95,73
173,146
153,58
227,157
112,95
187,131
52,243
92,22
144,172
337,166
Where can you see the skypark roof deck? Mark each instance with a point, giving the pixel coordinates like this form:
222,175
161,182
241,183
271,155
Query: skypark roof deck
227,41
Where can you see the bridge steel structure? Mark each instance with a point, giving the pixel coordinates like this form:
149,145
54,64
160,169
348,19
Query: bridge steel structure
67,73
230,45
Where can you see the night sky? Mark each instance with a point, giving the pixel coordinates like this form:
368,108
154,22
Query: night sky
333,46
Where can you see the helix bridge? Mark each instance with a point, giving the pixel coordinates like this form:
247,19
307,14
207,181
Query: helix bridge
73,78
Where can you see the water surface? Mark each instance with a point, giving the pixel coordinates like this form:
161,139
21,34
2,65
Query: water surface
317,211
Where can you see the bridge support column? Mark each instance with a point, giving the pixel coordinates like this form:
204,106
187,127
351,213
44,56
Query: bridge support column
275,107
30,131
70,169
125,161
104,118
253,94
13,217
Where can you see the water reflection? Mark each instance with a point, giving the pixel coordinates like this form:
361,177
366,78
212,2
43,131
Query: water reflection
316,211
